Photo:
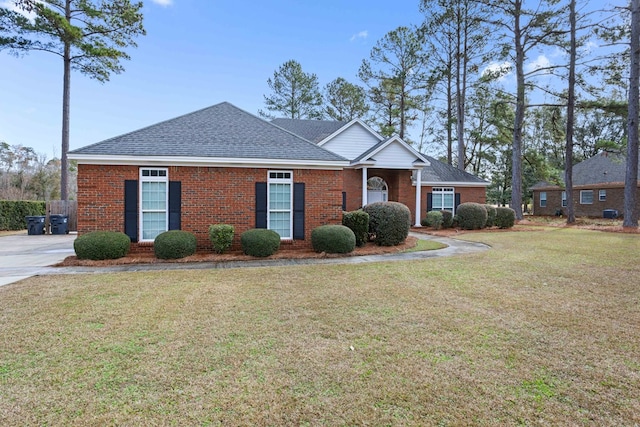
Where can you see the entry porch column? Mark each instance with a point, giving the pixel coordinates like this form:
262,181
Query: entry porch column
364,186
418,196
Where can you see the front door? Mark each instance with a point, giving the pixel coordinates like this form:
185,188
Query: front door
377,190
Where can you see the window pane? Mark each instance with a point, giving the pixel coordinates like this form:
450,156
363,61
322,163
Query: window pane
280,222
154,196
586,197
447,202
280,196
153,223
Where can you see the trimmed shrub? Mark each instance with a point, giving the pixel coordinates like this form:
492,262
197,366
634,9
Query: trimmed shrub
333,239
221,236
447,219
99,245
13,213
471,216
389,222
433,219
260,242
491,215
505,217
174,244
358,222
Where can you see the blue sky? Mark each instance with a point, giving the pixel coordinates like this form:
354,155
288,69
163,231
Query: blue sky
196,53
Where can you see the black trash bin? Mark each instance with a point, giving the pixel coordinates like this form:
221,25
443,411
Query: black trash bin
59,224
35,225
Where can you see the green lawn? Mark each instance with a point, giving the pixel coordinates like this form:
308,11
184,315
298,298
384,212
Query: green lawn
544,329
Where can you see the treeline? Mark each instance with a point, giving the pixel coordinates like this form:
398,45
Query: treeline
27,175
488,86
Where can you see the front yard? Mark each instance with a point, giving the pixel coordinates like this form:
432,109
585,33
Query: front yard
540,330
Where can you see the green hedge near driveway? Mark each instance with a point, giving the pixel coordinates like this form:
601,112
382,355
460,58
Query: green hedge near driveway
12,213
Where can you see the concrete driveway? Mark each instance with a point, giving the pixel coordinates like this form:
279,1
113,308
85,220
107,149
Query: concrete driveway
23,256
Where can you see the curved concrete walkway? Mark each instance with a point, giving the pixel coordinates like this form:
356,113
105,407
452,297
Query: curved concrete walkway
24,256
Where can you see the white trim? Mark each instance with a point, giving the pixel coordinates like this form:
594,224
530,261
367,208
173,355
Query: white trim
418,197
422,162
365,178
143,179
280,181
347,126
231,162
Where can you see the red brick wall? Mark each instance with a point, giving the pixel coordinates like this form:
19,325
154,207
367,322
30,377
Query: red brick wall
614,200
209,195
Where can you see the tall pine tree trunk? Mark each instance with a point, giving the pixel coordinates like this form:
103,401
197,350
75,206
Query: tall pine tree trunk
516,157
631,177
571,101
66,100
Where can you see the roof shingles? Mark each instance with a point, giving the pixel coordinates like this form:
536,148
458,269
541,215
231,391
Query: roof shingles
219,131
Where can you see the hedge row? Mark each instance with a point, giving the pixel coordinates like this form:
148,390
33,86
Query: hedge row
471,216
12,213
387,223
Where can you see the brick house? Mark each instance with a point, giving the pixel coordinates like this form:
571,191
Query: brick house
224,165
598,185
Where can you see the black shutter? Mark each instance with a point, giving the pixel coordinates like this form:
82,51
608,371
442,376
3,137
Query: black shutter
298,210
344,201
429,201
175,201
261,205
131,209
457,200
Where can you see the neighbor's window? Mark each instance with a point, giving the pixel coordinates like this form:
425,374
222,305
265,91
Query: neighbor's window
543,199
442,199
280,203
602,195
564,199
586,197
154,194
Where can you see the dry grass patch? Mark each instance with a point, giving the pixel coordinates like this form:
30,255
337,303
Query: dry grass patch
541,330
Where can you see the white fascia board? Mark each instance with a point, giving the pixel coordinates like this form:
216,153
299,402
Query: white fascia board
206,162
347,126
452,184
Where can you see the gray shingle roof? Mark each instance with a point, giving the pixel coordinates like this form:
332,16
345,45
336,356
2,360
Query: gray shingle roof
442,172
312,130
603,168
219,131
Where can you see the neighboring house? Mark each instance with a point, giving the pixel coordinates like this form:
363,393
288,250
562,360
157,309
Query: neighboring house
598,186
224,165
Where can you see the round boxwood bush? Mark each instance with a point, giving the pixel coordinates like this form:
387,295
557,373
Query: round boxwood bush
389,222
491,215
505,217
433,219
102,245
333,239
471,216
260,242
358,222
174,244
447,219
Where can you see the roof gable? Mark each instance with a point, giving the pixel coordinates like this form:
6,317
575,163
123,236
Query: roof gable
220,131
392,153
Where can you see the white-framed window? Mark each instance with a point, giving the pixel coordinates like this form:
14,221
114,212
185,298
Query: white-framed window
442,199
586,197
280,203
543,199
154,202
564,199
602,195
